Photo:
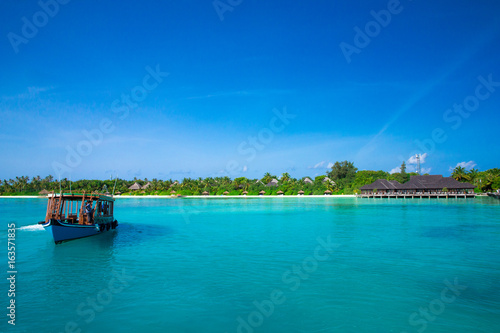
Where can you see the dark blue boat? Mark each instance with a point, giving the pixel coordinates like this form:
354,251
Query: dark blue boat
72,216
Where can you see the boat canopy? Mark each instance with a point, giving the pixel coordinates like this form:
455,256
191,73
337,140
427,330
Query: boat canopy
71,207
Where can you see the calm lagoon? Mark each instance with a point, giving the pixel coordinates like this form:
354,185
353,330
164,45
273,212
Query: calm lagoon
262,265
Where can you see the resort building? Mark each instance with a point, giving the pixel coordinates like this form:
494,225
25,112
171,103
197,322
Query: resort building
135,187
419,186
326,179
307,180
273,182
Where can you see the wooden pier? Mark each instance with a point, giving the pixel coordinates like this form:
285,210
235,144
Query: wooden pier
418,195
495,195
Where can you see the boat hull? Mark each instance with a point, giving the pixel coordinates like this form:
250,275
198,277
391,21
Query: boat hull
61,231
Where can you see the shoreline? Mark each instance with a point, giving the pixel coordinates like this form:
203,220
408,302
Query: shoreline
478,195
233,196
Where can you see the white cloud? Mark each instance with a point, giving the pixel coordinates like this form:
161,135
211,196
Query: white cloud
413,159
411,168
245,168
425,170
318,165
395,170
330,165
29,93
466,165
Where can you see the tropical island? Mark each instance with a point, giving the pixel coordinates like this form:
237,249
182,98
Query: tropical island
342,178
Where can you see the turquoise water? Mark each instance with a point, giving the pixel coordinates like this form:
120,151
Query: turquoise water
262,265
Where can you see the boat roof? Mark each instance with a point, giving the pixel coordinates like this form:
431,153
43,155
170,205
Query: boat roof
79,196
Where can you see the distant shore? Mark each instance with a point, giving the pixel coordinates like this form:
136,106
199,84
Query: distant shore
196,196
233,196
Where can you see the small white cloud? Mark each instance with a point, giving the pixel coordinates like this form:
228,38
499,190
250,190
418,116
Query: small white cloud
425,170
30,93
466,165
330,165
413,159
411,168
318,165
395,170
245,168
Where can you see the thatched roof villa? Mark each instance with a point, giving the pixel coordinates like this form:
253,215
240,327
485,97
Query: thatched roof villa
135,187
326,179
273,182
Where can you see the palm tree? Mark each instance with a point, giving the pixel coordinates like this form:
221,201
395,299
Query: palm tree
285,177
487,181
459,173
472,175
240,182
21,183
267,178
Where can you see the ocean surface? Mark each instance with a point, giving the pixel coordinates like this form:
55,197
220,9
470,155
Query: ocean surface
261,265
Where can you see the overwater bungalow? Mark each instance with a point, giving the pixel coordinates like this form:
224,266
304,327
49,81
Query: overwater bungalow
419,186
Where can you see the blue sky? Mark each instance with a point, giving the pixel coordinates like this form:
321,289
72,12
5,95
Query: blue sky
180,89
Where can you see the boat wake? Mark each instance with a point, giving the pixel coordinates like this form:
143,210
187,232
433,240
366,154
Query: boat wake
34,227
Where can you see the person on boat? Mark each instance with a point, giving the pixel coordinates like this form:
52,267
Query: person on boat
88,211
104,208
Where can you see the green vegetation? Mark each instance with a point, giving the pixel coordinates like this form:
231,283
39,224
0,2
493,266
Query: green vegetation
486,181
343,178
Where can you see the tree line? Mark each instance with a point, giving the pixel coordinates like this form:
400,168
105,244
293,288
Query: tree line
342,178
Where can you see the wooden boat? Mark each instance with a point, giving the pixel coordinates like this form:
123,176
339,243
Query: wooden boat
72,216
